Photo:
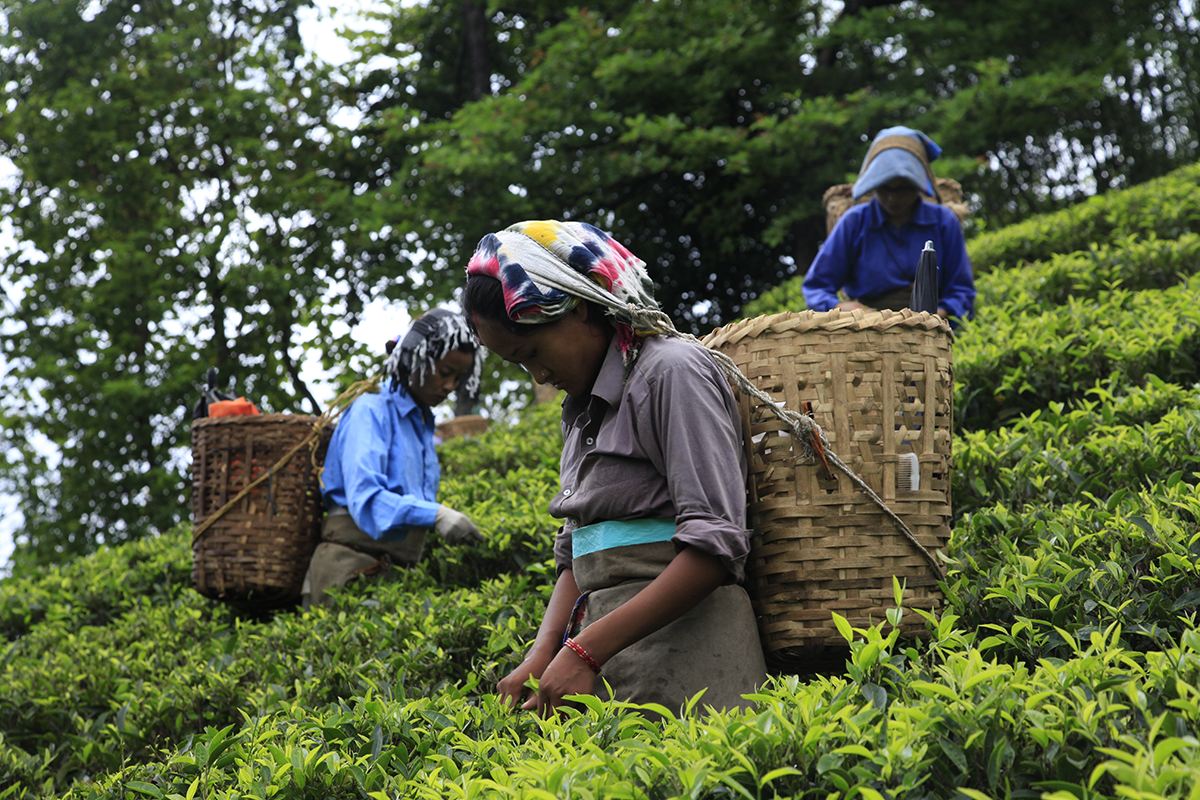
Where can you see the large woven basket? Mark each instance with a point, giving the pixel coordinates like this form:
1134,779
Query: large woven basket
464,425
255,554
880,385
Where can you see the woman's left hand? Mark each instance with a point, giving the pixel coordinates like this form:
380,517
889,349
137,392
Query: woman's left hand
567,674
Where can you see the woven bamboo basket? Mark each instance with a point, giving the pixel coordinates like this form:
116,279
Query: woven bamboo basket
464,425
255,554
880,385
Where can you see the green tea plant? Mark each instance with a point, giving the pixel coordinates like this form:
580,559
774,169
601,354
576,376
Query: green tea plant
1037,580
91,591
1063,662
1009,363
1054,456
1132,264
1165,208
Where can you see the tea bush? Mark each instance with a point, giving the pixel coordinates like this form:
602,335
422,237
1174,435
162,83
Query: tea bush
91,591
1054,455
505,478
1164,208
1132,264
1009,363
1042,577
947,721
1063,664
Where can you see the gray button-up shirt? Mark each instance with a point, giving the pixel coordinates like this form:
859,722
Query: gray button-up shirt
664,441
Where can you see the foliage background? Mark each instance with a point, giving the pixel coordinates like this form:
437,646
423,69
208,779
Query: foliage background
1064,663
183,172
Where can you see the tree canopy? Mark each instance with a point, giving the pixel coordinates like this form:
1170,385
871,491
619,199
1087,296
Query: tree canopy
703,134
189,200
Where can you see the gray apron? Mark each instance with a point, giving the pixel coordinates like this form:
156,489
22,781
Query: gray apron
346,553
895,300
714,647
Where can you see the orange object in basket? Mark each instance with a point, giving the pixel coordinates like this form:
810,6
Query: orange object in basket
231,408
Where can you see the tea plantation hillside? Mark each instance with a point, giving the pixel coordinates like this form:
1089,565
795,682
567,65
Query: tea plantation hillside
1064,665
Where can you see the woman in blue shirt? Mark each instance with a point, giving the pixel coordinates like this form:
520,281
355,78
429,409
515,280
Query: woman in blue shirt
873,252
381,473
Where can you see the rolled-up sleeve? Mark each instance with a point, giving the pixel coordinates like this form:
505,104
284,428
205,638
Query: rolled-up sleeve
691,413
563,550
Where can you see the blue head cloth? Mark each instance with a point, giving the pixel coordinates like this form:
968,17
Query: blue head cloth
897,163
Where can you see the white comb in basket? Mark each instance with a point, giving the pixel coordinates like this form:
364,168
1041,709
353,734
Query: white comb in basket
908,473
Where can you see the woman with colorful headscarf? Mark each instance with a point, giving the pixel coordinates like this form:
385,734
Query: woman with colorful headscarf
653,546
873,252
381,473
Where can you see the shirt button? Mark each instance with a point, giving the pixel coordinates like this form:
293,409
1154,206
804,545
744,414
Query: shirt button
590,440
566,492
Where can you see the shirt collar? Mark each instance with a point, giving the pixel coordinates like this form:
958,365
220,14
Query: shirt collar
609,384
610,381
404,403
925,215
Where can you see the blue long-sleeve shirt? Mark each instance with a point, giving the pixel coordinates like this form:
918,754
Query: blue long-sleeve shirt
866,256
382,465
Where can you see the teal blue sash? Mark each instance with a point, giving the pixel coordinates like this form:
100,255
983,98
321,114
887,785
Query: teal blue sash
607,535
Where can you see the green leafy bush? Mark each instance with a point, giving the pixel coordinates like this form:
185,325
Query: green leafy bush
1131,264
1165,208
1063,664
1041,577
1009,363
1054,455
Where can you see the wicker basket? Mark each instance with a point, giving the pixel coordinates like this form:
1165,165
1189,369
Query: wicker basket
838,200
464,425
255,554
880,386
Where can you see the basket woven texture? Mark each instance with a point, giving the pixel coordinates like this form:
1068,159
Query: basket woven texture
257,553
464,425
838,200
880,384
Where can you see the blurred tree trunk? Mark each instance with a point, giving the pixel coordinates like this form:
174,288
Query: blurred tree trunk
476,25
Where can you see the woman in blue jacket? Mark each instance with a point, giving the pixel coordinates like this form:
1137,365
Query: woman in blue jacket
873,252
381,474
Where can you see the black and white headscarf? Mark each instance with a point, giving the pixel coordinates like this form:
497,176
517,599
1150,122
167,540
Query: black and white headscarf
430,338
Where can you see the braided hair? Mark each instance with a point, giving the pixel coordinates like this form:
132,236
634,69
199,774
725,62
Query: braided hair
430,338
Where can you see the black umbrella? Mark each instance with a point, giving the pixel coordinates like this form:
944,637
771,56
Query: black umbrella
925,287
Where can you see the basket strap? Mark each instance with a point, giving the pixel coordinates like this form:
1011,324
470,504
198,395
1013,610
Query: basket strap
311,441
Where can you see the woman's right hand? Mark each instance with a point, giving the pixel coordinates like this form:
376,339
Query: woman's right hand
850,305
512,689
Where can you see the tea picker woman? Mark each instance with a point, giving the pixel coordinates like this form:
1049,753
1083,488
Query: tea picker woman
873,251
653,546
381,474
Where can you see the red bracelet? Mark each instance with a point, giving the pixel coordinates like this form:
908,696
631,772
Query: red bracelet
584,654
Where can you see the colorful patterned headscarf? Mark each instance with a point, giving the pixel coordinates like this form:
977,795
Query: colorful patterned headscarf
429,339
547,267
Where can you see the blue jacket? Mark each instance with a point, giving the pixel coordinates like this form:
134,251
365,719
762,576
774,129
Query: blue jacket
382,465
866,256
